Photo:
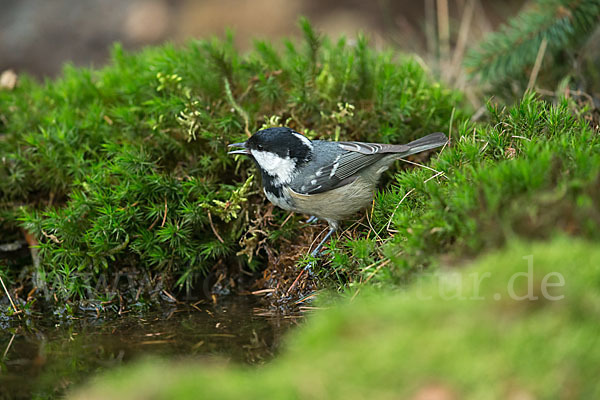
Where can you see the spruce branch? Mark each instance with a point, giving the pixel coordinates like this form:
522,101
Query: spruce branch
514,48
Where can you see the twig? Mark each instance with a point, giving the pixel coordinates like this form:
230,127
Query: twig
317,237
154,223
170,296
153,342
52,237
310,308
433,176
396,209
405,196
383,264
372,265
354,295
164,216
537,65
310,296
463,33
212,226
420,165
449,130
263,291
10,298
443,32
295,282
484,147
8,347
348,229
287,219
369,218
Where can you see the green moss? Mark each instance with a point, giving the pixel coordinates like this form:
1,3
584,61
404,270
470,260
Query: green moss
532,170
445,334
126,166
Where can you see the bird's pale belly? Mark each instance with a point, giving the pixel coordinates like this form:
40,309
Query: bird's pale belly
334,205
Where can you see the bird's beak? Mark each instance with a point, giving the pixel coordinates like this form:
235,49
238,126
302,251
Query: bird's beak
243,149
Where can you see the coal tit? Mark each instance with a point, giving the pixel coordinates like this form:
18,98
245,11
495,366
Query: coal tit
324,179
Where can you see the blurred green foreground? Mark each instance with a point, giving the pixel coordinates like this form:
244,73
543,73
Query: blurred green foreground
515,335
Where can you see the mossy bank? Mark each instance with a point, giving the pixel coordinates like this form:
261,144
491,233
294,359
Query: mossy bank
125,168
123,171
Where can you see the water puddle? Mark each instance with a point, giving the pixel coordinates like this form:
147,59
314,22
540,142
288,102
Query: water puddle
42,360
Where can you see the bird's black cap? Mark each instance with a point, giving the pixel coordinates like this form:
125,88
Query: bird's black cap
283,141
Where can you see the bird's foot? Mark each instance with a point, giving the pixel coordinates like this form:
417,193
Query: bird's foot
309,269
311,219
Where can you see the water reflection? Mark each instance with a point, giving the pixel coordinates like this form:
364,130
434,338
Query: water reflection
42,360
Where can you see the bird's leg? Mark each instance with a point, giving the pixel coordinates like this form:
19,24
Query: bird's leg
311,219
317,249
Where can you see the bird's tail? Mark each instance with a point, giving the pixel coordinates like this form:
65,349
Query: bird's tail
425,143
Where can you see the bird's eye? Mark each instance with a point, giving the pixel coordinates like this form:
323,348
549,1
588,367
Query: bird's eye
259,146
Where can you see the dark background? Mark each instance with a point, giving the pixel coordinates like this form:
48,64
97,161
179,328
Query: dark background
38,36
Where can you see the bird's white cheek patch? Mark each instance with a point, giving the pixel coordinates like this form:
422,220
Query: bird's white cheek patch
276,166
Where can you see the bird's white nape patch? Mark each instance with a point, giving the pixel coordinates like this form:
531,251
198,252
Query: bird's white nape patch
304,139
278,167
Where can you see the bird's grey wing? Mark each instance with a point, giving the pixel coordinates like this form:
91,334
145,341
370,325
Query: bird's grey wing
343,160
374,148
337,171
